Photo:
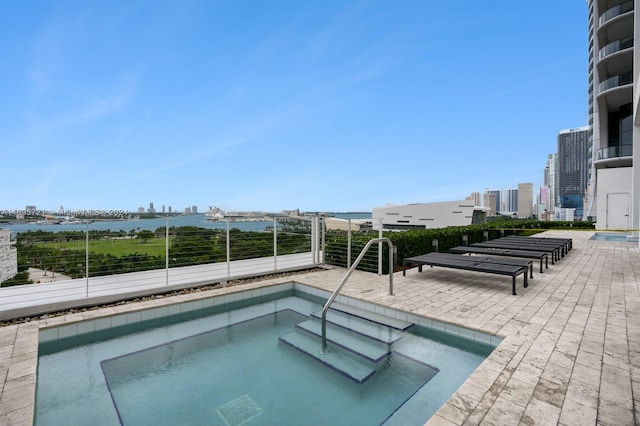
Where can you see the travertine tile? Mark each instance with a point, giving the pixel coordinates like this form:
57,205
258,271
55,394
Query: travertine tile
438,420
503,412
583,393
612,414
518,391
587,374
539,413
550,392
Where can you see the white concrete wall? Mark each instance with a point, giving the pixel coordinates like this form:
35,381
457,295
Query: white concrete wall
425,215
612,181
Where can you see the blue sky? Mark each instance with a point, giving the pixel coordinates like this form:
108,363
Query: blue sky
272,105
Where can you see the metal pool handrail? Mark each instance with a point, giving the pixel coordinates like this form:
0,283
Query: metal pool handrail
346,277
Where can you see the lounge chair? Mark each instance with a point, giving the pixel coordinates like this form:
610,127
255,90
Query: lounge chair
543,256
469,263
554,249
566,243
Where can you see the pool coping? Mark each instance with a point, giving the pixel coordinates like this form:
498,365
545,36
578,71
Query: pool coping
51,332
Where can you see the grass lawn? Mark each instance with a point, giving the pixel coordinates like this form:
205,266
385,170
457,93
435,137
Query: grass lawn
119,247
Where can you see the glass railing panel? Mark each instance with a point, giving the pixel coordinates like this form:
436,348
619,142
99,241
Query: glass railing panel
615,81
615,152
616,11
616,46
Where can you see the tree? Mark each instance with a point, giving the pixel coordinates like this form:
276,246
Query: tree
145,235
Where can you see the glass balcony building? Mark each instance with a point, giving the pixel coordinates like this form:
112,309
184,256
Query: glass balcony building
613,188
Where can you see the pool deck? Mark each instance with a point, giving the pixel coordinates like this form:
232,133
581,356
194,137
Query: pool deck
570,354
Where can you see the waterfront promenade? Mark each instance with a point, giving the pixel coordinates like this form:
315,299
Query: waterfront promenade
570,353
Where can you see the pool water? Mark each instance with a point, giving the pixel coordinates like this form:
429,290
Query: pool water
612,236
242,372
229,368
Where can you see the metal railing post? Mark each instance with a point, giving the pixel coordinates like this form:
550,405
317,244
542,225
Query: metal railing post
323,242
316,224
380,252
228,252
166,251
315,235
86,260
275,244
348,243
313,247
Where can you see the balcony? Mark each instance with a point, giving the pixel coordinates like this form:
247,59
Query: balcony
616,46
615,11
616,81
614,156
615,92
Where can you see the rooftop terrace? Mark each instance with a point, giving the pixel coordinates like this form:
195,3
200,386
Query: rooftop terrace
570,354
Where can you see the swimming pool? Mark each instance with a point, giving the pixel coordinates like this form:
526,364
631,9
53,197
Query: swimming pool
614,236
220,361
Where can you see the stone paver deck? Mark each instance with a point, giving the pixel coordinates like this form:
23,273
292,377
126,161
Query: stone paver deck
570,354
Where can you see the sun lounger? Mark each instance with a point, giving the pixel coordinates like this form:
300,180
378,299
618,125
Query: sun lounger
555,250
489,259
468,263
565,243
544,257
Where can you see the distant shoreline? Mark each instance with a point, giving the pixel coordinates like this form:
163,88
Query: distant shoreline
150,223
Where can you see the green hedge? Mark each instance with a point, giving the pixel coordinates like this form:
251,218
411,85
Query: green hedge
420,241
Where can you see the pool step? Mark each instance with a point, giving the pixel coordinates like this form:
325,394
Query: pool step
339,361
371,316
372,329
359,342
370,349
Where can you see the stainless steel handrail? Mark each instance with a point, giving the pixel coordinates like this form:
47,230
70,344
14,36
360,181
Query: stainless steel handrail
346,277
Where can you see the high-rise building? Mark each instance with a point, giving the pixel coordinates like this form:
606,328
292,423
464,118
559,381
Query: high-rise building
511,200
573,168
613,69
490,202
494,201
550,177
525,200
544,199
475,197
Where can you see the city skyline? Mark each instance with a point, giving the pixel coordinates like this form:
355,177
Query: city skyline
321,107
151,208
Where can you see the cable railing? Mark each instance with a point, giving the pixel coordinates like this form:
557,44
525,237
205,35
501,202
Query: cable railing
90,265
91,253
